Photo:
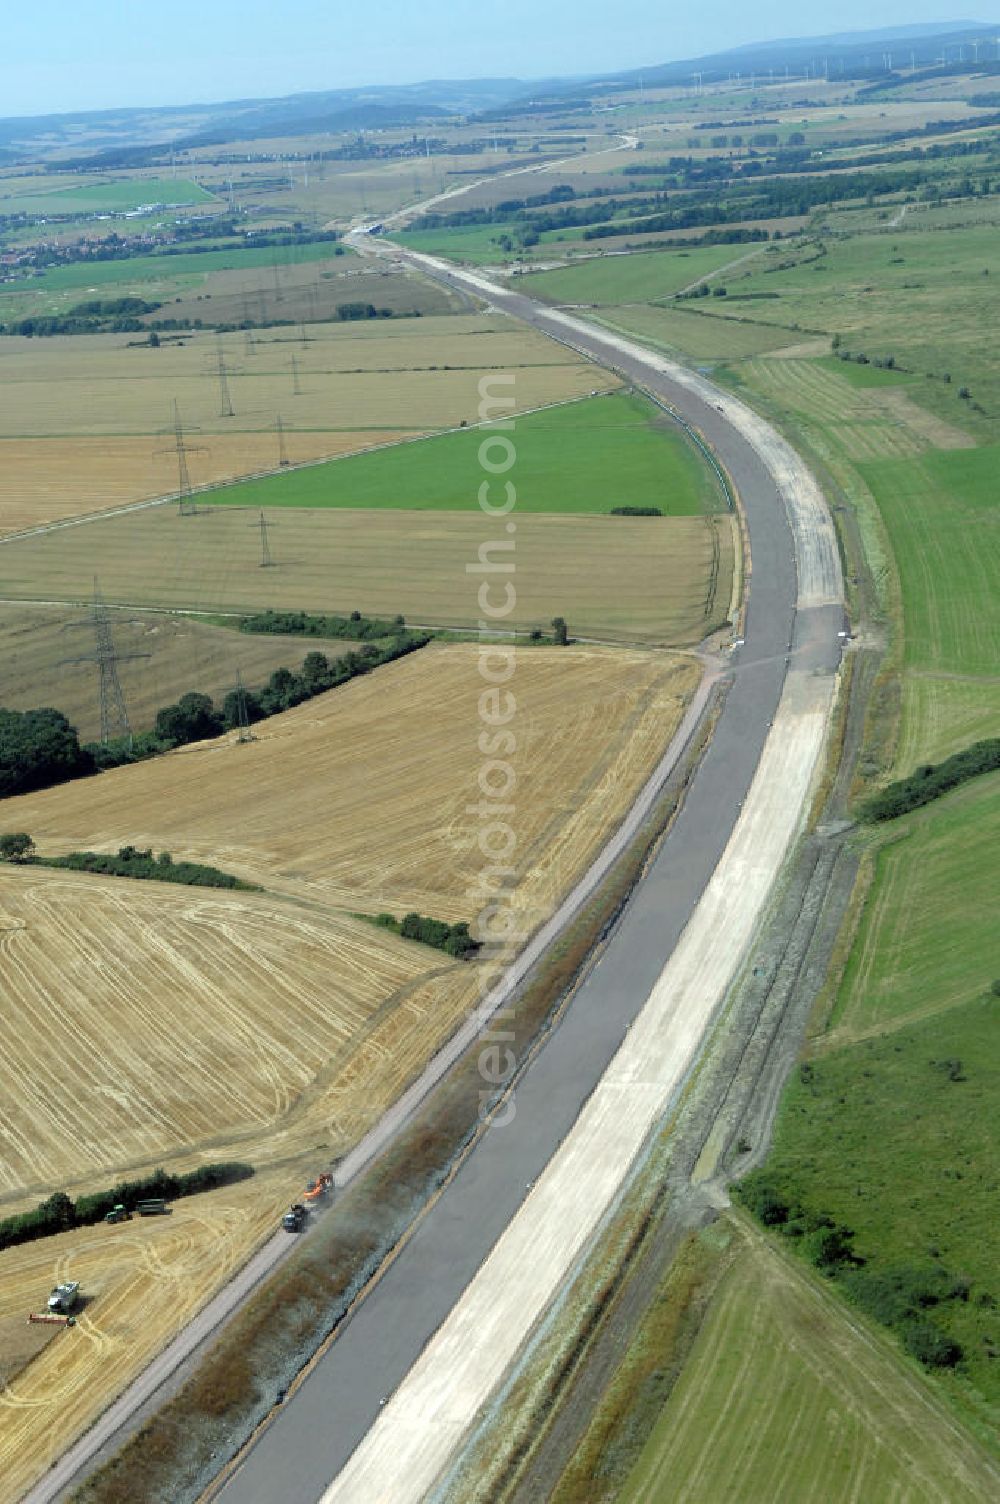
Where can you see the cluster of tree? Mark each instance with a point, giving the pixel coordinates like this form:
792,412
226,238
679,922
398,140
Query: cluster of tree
881,362
934,779
108,316
356,628
131,862
59,1212
195,718
37,749
636,512
899,1297
701,291
453,939
16,846
349,312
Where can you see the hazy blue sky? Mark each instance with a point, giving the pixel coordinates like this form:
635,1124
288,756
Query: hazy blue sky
58,55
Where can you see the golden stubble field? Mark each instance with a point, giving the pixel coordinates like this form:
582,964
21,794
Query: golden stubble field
39,643
660,579
83,420
141,1281
147,1022
358,799
153,1024
51,479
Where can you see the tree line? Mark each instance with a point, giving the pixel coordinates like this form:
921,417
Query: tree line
59,1212
17,846
97,316
932,780
355,627
39,748
453,939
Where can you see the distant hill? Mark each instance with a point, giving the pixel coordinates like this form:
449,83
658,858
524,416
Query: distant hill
110,134
859,54
366,108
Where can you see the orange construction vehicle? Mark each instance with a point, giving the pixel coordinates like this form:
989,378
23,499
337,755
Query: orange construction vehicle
319,1190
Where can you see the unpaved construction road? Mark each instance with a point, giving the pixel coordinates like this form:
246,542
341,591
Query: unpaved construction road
380,1417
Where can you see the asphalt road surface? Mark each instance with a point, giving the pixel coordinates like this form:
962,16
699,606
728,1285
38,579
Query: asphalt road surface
311,1439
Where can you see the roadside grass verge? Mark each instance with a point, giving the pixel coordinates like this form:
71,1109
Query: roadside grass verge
652,1364
586,456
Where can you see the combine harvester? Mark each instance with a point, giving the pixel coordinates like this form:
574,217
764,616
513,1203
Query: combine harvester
60,1304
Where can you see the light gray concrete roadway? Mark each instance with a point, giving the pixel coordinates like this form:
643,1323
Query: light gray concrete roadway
793,615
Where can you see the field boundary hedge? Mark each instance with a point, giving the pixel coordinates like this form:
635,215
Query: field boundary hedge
59,1213
932,780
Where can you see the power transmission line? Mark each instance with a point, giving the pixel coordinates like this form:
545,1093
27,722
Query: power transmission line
266,560
225,400
181,448
114,715
244,733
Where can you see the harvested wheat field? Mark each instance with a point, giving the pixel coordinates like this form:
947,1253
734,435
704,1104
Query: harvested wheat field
192,1020
417,374
39,643
322,803
84,422
140,1282
48,480
659,579
272,1027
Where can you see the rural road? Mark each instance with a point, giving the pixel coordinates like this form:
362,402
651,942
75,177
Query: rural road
381,1415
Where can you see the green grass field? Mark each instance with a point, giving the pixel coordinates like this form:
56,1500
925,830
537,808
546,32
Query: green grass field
896,1137
859,375
924,942
937,507
172,272
122,196
683,330
473,243
784,1399
640,278
941,512
586,456
941,715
